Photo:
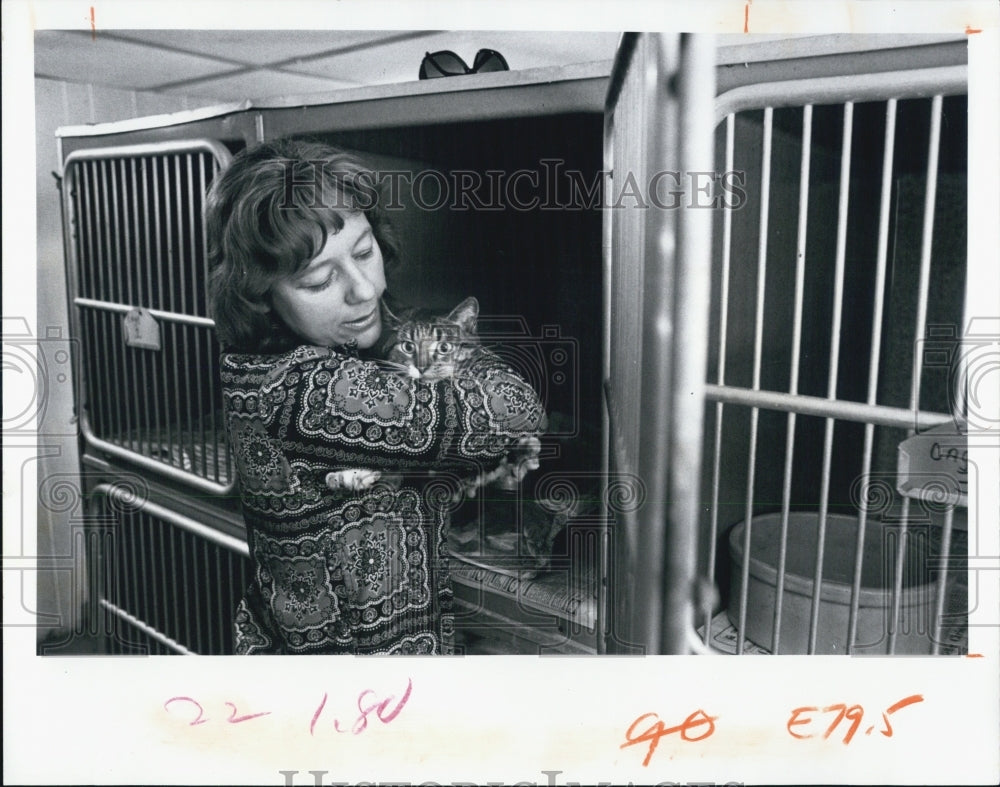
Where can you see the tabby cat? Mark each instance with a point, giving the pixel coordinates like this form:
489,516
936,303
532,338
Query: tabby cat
432,348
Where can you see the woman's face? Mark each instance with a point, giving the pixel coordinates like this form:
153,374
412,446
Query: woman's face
335,298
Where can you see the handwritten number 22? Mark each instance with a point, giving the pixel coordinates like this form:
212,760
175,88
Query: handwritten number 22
199,719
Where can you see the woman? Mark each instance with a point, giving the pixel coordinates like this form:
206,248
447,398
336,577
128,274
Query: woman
299,248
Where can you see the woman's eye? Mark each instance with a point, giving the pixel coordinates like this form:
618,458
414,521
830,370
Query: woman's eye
323,284
365,255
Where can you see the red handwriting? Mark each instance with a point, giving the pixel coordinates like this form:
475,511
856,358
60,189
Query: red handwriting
801,717
233,718
385,709
657,730
381,708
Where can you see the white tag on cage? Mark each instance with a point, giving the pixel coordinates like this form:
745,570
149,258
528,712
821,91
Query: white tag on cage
934,466
141,330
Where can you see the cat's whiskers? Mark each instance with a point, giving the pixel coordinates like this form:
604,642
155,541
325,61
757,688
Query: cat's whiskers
394,366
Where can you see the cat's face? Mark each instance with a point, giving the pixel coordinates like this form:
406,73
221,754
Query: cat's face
431,349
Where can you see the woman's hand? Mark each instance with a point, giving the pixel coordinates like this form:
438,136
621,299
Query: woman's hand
519,461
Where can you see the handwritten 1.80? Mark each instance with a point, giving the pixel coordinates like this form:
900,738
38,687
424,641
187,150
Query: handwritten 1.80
368,703
802,723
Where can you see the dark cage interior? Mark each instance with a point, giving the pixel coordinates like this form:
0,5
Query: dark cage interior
505,210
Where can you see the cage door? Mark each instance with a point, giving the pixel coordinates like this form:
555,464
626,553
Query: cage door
138,270
658,139
159,581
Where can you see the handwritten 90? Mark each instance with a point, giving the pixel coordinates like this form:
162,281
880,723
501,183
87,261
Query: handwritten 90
808,721
385,709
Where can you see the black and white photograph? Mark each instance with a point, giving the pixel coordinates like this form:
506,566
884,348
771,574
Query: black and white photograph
627,344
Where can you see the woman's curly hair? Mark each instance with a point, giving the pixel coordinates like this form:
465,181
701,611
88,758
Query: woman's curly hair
267,215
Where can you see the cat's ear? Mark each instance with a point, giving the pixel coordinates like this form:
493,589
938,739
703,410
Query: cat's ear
466,314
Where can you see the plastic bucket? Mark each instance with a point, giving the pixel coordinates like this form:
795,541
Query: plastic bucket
913,628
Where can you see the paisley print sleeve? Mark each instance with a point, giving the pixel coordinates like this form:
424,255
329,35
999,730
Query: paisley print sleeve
345,410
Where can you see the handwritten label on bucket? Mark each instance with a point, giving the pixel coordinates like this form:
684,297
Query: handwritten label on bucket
934,466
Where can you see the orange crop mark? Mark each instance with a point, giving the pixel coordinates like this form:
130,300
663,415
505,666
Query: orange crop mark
93,25
746,17
974,655
904,702
972,30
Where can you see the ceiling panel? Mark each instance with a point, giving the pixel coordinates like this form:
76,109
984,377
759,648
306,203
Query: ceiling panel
260,47
258,83
78,57
232,65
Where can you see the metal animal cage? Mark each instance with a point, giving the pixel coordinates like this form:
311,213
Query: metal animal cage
838,253
148,389
848,253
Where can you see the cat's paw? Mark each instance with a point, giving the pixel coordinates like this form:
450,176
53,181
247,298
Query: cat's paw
528,448
524,457
354,480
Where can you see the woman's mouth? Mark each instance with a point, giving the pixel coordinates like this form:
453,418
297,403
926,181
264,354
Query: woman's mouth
363,322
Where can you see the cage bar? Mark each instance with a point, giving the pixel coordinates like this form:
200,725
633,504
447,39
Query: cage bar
727,240
758,343
793,382
149,631
923,293
942,579
834,371
696,92
889,147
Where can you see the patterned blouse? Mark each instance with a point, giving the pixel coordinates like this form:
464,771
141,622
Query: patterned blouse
358,572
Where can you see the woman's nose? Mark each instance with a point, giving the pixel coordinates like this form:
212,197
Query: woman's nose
360,289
